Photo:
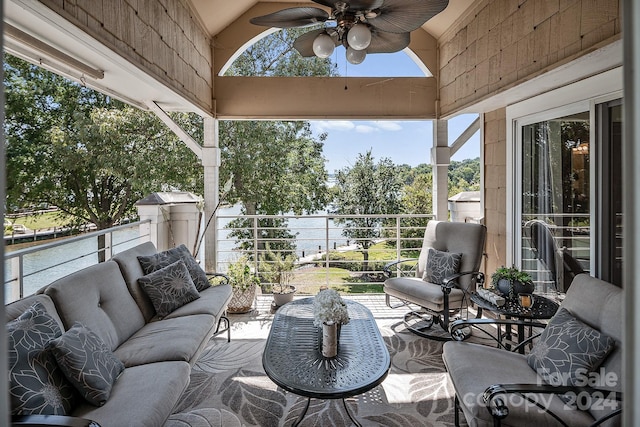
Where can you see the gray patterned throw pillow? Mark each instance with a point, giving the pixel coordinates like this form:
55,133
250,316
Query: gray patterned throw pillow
169,288
36,383
162,259
441,265
567,349
87,363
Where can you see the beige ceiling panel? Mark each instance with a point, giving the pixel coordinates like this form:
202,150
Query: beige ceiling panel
325,98
240,32
216,15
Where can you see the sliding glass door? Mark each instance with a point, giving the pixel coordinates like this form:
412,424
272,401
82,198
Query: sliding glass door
608,229
569,185
556,199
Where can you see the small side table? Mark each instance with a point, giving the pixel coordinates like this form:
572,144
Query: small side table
543,308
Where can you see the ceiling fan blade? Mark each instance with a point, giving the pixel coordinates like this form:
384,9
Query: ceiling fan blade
304,43
382,42
353,4
292,17
401,16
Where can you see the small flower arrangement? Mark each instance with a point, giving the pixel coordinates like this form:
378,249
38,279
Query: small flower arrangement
328,307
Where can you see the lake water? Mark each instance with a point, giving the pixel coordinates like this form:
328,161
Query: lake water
43,267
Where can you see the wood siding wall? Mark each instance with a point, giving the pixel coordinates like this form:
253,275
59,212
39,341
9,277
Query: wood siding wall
495,187
503,42
498,45
162,37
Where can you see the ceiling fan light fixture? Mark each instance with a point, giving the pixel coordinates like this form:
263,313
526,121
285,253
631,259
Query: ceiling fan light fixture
323,46
359,37
355,57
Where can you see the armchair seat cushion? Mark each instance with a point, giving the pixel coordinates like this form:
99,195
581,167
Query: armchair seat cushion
473,367
424,294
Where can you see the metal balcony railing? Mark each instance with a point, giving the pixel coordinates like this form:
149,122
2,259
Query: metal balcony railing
29,269
325,254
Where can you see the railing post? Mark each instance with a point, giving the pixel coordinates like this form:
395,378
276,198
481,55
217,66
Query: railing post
398,242
255,241
326,258
108,245
17,287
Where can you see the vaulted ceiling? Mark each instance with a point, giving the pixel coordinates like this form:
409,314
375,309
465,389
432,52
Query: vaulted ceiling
216,15
227,21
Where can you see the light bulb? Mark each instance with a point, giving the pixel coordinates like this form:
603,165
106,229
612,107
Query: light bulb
359,37
323,46
355,57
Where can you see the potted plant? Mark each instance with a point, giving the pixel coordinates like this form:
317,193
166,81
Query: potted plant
244,283
277,270
511,281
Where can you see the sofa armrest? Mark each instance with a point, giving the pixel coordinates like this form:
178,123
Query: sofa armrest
578,395
457,330
51,420
225,278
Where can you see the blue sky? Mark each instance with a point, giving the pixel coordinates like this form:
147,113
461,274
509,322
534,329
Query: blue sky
404,142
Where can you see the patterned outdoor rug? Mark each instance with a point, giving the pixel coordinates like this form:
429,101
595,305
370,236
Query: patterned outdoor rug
228,378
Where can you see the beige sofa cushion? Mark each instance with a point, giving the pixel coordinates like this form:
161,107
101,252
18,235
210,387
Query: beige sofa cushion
131,271
97,297
180,338
143,396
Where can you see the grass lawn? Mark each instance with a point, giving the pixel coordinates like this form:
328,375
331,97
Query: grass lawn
309,280
39,221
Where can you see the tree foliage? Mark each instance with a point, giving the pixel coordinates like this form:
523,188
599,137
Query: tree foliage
91,156
274,56
464,176
367,188
277,166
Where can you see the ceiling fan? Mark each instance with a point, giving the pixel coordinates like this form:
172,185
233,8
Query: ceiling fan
361,26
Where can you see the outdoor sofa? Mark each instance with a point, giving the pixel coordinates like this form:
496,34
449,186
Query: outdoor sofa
153,353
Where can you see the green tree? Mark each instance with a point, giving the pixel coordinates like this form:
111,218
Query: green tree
274,55
416,199
367,188
464,176
277,166
91,156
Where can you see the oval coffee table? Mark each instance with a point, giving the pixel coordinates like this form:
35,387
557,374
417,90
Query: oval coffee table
293,360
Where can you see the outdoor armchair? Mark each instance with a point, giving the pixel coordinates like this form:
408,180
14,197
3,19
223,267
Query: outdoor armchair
577,380
445,273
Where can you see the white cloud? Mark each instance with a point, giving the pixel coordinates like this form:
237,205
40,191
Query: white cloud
360,127
337,125
366,129
388,125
